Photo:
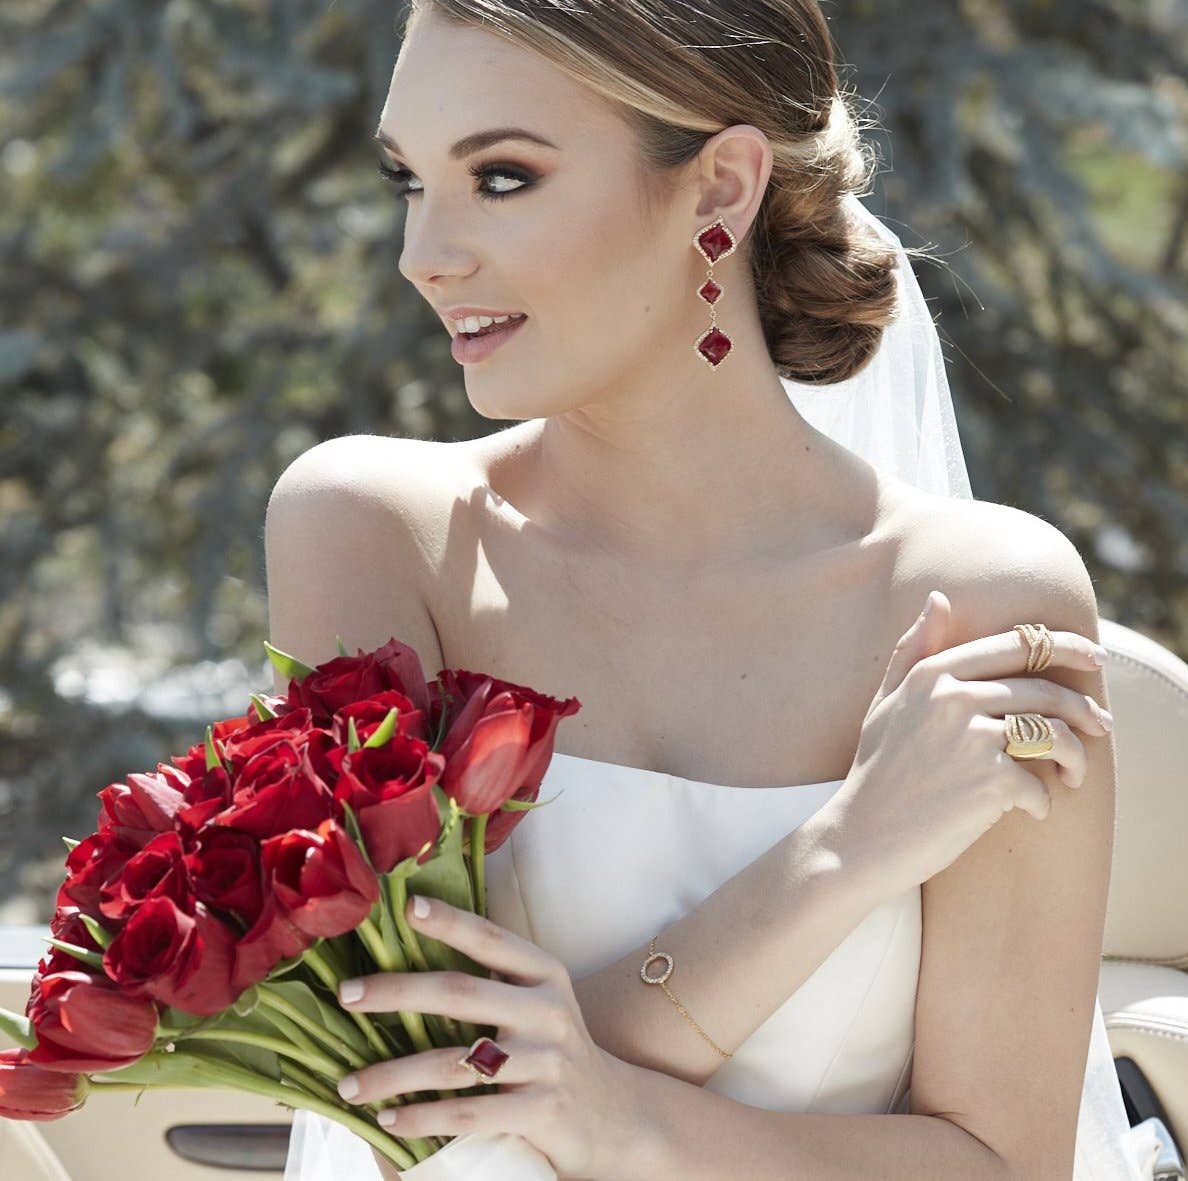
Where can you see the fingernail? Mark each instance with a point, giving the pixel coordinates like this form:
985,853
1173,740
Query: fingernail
1107,718
350,990
420,906
387,1117
348,1086
1100,655
927,606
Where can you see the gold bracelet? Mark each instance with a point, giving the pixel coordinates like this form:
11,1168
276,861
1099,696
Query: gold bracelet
643,973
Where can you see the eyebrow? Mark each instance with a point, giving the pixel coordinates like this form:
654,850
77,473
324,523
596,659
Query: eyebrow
470,144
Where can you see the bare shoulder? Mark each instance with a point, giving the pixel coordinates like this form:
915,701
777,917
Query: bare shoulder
997,564
351,532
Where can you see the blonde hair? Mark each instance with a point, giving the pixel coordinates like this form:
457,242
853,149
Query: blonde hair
678,74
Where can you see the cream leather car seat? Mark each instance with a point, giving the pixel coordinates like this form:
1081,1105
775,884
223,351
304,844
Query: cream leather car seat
1144,977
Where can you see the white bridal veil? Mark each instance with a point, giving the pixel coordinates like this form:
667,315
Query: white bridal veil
898,415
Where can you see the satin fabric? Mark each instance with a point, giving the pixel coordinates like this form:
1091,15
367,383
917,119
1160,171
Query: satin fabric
622,852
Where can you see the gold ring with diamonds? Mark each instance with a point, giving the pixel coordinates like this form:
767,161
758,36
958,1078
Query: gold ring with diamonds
1029,736
1039,645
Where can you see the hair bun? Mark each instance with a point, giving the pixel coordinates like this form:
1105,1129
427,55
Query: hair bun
824,277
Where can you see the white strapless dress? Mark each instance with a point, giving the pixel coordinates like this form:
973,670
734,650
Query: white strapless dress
624,852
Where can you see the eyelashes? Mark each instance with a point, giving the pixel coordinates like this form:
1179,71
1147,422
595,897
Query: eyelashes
400,177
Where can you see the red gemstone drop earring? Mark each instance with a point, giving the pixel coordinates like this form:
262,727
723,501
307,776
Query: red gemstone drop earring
713,242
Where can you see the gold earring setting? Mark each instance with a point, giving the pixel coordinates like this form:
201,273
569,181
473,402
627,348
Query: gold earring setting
714,242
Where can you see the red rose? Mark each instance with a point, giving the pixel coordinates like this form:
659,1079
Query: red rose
91,864
347,679
144,806
84,1024
159,868
321,879
272,938
499,740
390,788
27,1092
225,871
369,713
246,744
278,790
179,959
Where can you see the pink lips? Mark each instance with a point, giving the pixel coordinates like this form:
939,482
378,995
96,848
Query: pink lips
479,348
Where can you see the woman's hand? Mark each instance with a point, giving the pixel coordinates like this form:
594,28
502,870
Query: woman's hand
558,1088
931,773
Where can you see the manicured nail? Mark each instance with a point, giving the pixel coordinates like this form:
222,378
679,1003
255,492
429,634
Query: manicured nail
1107,718
350,990
348,1086
420,906
387,1117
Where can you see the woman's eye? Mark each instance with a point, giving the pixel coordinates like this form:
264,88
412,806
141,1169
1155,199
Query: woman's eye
401,178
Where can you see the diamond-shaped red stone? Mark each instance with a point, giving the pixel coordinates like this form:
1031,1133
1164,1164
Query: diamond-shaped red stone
710,291
486,1057
715,241
714,345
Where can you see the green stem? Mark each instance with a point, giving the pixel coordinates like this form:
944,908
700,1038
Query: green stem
478,862
398,900
331,1041
225,1074
309,1080
327,1066
414,1023
331,980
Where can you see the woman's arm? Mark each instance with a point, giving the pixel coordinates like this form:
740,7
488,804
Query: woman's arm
1009,973
739,954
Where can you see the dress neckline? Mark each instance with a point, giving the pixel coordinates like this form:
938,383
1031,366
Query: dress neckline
666,777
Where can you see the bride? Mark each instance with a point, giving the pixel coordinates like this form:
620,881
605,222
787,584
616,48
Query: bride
733,483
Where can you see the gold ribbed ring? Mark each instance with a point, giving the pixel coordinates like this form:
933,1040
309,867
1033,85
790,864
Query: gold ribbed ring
1039,645
1029,736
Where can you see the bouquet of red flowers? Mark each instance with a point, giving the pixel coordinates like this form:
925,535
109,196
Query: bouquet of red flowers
202,931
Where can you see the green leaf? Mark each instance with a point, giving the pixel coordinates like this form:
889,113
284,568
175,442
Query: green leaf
384,730
352,823
246,1001
212,755
18,1028
93,958
262,710
71,842
342,648
353,743
286,665
98,932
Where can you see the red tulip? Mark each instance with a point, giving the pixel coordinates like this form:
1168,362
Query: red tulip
27,1092
84,1024
497,746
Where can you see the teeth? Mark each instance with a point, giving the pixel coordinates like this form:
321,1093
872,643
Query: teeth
474,323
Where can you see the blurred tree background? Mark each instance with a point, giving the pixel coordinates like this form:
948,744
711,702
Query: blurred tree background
199,282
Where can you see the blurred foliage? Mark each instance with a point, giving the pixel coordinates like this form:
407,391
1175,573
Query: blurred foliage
199,281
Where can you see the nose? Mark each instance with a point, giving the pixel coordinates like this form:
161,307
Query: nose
432,251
